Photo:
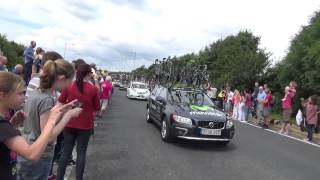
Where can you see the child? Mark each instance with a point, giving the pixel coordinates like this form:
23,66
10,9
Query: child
55,76
311,116
11,142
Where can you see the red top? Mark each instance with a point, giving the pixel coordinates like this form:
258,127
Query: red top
236,99
287,101
248,99
90,104
268,101
106,87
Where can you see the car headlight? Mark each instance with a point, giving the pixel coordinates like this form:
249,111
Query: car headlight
182,120
229,123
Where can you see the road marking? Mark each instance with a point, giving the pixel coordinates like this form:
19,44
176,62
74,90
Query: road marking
275,132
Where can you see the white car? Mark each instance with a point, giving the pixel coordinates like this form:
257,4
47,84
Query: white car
138,90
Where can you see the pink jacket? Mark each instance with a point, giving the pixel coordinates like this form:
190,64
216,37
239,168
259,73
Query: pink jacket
311,113
287,102
106,89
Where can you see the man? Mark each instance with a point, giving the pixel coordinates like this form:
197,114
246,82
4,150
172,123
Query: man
254,97
261,96
28,61
18,70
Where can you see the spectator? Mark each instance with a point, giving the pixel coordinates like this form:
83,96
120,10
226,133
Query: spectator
18,70
311,116
241,113
3,63
236,104
35,81
287,107
228,101
79,129
265,87
254,96
212,92
248,104
221,97
11,97
55,76
37,61
261,96
106,88
267,108
28,61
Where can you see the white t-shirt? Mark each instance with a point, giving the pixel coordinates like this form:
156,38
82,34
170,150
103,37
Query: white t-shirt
230,96
34,83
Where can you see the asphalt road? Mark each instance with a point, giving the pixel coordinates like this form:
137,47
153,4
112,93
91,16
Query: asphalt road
126,147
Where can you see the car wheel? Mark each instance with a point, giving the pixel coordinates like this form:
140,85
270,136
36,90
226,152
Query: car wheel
165,132
148,118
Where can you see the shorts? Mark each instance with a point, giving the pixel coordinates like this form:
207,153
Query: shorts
266,112
286,115
104,103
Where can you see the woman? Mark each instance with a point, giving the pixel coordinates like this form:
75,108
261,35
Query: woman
79,129
55,75
241,111
11,97
248,104
311,116
37,61
287,107
236,103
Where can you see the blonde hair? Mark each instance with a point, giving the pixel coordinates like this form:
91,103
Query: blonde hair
10,82
52,69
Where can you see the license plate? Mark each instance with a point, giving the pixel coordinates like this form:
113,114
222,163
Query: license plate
211,132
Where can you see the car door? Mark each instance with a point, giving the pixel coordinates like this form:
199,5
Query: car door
153,104
160,106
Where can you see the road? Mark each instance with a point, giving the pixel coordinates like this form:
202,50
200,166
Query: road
126,147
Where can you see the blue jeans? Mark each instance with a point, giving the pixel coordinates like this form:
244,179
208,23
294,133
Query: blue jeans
34,170
246,112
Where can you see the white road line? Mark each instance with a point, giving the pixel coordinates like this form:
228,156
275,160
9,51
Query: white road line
291,137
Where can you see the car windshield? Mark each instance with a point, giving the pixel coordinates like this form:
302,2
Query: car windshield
190,97
139,86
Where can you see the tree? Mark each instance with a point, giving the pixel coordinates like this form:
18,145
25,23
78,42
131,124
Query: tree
302,63
236,60
12,50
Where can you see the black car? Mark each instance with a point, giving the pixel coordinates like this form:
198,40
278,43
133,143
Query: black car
189,114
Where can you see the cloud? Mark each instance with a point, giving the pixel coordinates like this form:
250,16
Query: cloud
81,9
110,32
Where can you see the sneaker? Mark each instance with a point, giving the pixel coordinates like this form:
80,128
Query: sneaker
52,177
71,163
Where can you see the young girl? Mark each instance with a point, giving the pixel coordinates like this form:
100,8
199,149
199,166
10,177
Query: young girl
79,129
236,103
311,115
11,97
55,76
241,111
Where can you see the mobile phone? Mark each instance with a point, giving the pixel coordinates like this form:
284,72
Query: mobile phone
77,104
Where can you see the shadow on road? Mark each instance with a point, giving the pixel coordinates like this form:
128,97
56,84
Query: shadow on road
199,145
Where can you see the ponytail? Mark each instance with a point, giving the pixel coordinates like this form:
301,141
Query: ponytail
82,71
52,69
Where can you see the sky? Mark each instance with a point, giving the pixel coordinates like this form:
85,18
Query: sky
122,35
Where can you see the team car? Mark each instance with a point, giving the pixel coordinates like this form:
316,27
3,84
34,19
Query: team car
138,90
188,114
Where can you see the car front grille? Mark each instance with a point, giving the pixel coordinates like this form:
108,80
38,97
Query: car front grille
211,124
